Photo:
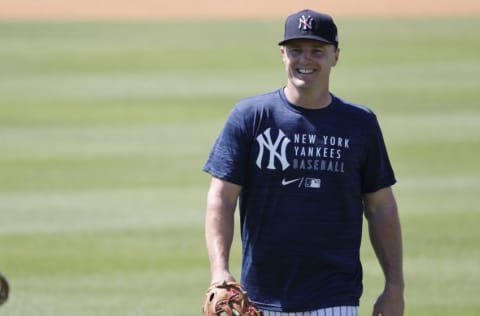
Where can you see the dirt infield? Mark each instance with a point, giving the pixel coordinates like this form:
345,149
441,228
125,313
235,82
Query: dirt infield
211,9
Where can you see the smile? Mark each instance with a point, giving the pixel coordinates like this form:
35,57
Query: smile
305,71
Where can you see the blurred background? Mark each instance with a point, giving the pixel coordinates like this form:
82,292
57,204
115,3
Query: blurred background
108,111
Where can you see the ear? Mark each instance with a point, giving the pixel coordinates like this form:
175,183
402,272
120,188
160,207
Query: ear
283,52
337,55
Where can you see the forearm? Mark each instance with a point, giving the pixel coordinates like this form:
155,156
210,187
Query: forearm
386,238
219,235
219,228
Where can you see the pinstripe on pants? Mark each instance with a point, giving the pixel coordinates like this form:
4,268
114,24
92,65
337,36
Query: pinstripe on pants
330,311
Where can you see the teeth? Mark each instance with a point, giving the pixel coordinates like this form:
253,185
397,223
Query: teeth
305,71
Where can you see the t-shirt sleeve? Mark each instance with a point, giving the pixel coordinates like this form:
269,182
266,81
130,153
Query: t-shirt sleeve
229,155
377,172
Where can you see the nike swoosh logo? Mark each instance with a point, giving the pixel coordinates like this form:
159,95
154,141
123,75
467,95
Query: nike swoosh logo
287,182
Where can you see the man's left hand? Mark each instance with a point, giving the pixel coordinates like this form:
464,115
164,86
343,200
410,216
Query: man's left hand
390,302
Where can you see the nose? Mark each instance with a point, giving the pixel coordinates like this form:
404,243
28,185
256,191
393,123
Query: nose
305,56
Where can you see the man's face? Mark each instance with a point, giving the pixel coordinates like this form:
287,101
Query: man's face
308,63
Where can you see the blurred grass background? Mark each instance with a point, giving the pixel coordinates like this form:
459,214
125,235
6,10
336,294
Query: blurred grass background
104,128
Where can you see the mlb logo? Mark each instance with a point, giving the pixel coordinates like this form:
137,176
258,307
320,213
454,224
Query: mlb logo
313,183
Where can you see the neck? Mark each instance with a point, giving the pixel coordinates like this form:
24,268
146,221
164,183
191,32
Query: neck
308,99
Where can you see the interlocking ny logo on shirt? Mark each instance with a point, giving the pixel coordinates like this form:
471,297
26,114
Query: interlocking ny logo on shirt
277,149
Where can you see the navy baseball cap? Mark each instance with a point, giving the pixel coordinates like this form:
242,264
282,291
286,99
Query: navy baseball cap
308,24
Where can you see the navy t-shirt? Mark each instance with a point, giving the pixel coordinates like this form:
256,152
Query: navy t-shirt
303,174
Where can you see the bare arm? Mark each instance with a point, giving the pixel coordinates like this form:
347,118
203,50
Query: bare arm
386,238
219,226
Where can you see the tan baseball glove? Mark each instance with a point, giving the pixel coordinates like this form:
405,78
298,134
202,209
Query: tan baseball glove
4,289
228,298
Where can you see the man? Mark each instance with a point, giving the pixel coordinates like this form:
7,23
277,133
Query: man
305,167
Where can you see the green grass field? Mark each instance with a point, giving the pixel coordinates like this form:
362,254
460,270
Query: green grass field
104,128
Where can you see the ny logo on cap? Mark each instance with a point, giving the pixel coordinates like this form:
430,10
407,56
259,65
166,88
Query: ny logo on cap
305,23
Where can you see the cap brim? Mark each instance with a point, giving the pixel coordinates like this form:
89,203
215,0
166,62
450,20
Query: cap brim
311,37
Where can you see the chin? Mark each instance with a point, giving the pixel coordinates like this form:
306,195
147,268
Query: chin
300,84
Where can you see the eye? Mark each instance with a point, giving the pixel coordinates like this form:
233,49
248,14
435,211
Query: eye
294,51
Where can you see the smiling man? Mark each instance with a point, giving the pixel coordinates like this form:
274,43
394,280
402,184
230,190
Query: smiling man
305,167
